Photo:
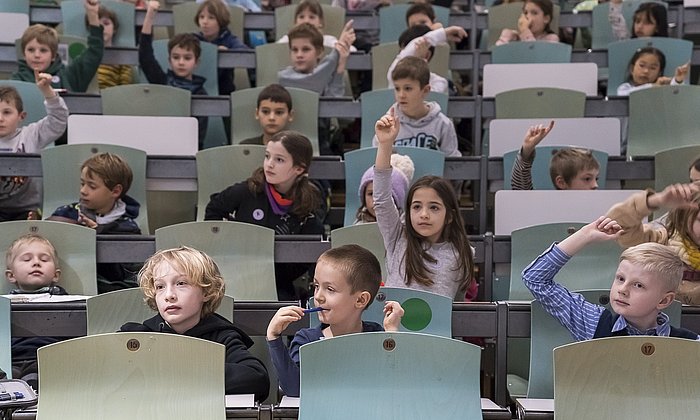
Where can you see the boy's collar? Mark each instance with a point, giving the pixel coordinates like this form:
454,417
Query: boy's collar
662,328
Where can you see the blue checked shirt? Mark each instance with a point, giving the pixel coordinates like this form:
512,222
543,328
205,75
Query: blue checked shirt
576,314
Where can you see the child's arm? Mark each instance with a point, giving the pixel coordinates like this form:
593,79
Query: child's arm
393,312
347,38
83,68
617,20
603,229
680,74
147,60
51,127
287,368
521,176
385,130
281,320
151,10
91,12
243,372
223,205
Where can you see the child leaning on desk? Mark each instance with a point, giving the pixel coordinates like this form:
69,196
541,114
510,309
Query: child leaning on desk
346,281
32,267
185,286
645,283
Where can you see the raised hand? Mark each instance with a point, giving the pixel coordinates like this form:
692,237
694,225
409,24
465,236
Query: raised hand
43,82
455,33
91,11
535,134
681,73
386,129
675,195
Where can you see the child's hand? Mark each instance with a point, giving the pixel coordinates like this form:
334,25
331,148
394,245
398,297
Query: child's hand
681,73
393,312
86,221
523,23
387,128
422,48
455,33
91,11
673,196
152,7
663,80
534,136
281,320
602,229
43,82
347,35
435,25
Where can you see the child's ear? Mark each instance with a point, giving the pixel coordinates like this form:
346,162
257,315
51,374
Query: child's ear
9,275
22,116
426,90
256,114
560,183
362,300
291,116
117,190
666,300
56,276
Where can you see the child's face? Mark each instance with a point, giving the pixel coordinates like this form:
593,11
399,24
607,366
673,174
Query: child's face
587,179
369,198
637,295
333,293
307,16
10,118
304,55
38,56
33,267
694,174
280,170
273,116
644,25
410,96
646,69
108,30
182,62
208,25
536,17
95,195
428,214
179,301
419,19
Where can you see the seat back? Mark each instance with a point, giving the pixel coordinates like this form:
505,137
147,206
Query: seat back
333,20
244,253
541,179
75,246
12,26
73,19
531,52
15,6
221,167
146,99
366,235
107,312
574,76
63,163
426,162
269,60
32,99
384,54
672,166
304,106
424,312
184,19
677,52
662,118
131,375
5,337
392,20
376,103
588,374
541,103
505,16
449,384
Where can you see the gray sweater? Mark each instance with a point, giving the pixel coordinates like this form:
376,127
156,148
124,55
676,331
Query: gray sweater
323,80
446,276
31,139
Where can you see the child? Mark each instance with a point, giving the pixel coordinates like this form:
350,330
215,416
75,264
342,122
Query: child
273,111
645,283
346,281
569,168
109,75
40,54
183,56
420,41
646,70
32,266
21,195
430,251
694,170
104,206
422,123
533,24
680,230
247,5
422,14
310,11
213,18
400,181
278,195
650,19
185,286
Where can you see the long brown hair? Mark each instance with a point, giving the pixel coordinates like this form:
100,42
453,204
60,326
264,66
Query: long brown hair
306,196
453,232
680,220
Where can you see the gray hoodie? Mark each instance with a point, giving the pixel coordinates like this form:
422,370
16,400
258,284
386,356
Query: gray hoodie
32,138
434,131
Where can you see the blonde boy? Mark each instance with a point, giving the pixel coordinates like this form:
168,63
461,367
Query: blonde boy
422,123
273,112
185,287
645,283
40,54
346,281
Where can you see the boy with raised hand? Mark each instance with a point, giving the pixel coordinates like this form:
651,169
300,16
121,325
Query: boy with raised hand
346,281
570,168
20,196
422,123
185,286
645,283
273,111
183,56
40,54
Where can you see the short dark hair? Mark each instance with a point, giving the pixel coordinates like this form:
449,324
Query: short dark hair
413,68
421,8
646,50
187,42
412,33
309,31
275,93
359,266
10,95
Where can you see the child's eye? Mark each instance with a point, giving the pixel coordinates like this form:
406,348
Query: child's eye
158,286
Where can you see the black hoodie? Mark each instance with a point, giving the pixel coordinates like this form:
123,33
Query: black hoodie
244,374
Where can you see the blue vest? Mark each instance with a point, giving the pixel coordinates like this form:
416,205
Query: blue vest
607,321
